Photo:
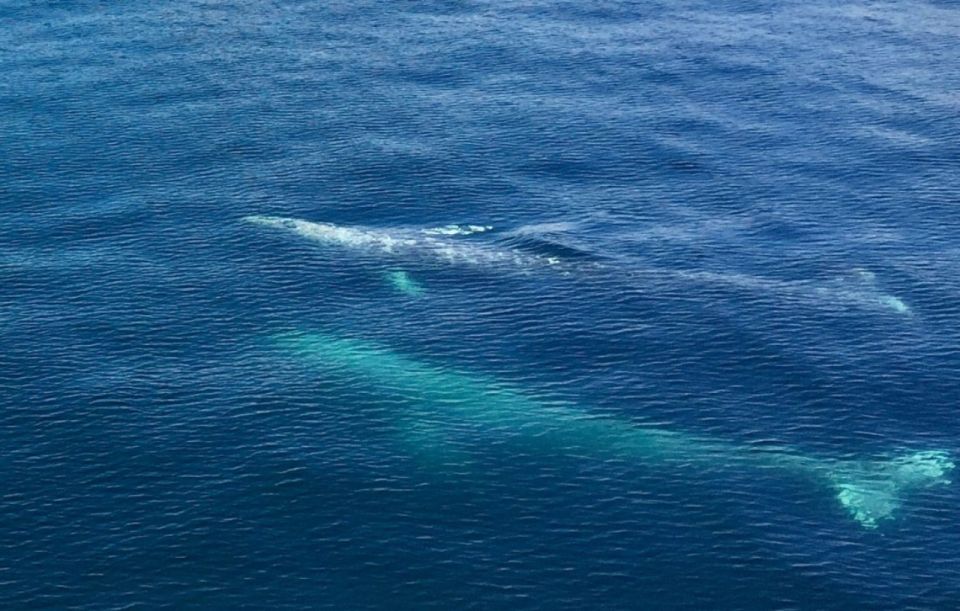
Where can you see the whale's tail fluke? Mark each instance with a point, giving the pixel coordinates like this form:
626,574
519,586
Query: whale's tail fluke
873,491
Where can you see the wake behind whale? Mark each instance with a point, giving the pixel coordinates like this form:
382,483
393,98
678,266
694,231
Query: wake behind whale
530,248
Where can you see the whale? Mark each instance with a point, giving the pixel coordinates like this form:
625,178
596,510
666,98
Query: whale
531,248
442,400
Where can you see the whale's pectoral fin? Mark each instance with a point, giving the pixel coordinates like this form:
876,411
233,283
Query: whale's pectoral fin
402,282
872,492
894,303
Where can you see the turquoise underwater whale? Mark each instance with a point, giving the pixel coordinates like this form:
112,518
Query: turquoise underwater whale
870,490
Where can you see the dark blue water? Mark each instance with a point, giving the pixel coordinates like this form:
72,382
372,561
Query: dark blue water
752,236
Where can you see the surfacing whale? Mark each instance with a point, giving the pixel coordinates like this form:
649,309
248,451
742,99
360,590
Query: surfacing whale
525,249
438,243
442,401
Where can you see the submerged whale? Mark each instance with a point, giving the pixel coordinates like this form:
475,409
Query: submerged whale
526,250
442,400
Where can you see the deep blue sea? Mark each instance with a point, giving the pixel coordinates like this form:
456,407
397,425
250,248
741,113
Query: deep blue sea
462,304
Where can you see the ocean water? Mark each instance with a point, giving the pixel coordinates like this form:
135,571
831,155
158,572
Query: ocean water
479,305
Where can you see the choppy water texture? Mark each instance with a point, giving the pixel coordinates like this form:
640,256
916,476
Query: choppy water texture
479,305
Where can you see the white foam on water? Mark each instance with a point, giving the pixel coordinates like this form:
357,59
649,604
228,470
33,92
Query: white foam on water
452,230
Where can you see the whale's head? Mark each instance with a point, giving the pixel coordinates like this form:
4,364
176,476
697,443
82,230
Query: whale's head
328,233
324,232
271,221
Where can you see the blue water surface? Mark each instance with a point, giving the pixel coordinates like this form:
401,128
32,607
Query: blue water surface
738,221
